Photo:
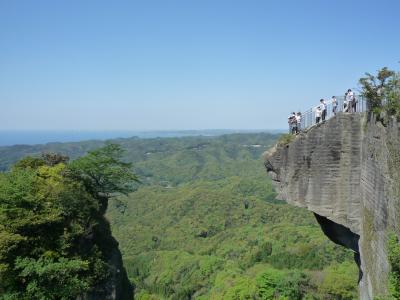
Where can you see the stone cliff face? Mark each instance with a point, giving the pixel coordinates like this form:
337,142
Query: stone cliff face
117,285
347,171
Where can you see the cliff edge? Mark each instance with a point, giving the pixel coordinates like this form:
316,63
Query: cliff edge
346,171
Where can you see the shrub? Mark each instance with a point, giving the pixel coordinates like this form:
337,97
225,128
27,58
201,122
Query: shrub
278,284
286,139
382,92
340,281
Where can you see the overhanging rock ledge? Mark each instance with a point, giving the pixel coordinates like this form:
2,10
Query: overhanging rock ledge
347,171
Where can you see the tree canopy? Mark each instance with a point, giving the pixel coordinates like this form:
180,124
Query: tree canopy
382,92
50,214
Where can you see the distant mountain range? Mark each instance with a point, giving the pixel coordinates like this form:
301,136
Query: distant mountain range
32,137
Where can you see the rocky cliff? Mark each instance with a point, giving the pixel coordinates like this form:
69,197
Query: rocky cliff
347,171
116,286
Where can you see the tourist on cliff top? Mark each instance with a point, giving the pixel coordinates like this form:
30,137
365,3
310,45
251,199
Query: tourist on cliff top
353,101
298,121
318,114
292,122
334,105
345,103
350,101
323,107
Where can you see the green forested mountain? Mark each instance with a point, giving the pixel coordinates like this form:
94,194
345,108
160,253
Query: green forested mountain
54,240
204,224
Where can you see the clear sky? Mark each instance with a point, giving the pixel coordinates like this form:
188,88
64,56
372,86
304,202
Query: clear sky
193,64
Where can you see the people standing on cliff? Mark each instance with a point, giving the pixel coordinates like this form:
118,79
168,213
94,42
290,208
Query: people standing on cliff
298,121
334,105
350,101
292,122
345,103
318,114
323,107
353,100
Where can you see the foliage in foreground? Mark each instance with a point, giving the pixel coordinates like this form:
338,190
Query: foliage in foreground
54,241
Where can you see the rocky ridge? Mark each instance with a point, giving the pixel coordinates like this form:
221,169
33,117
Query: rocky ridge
347,171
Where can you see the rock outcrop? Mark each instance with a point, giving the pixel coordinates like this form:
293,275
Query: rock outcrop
347,171
117,285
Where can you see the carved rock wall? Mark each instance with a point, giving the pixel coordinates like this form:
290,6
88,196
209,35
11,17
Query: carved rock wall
347,170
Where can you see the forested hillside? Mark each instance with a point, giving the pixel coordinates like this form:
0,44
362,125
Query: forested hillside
204,224
54,240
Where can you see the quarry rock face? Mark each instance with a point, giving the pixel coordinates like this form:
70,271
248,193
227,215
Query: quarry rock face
346,171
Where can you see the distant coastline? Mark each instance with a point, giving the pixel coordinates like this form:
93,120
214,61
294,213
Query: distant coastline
33,137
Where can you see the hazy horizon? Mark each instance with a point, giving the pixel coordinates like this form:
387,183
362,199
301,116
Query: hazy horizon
36,137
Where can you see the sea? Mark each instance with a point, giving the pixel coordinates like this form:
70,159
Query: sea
33,137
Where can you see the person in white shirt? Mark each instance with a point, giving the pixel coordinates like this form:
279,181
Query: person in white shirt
350,101
323,107
318,114
298,121
334,105
353,101
292,122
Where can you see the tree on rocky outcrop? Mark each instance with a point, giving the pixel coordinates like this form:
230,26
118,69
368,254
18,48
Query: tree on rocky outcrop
54,240
103,173
382,92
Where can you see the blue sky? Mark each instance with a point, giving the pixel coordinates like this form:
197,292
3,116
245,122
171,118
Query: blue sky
146,65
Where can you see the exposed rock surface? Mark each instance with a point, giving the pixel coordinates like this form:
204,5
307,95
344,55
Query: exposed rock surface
116,286
346,170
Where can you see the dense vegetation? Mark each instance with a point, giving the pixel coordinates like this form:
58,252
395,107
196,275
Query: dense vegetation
204,224
54,240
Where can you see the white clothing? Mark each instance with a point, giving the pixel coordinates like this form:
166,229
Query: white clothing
350,96
322,105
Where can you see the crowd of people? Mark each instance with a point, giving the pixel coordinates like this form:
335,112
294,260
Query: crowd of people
321,110
294,121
